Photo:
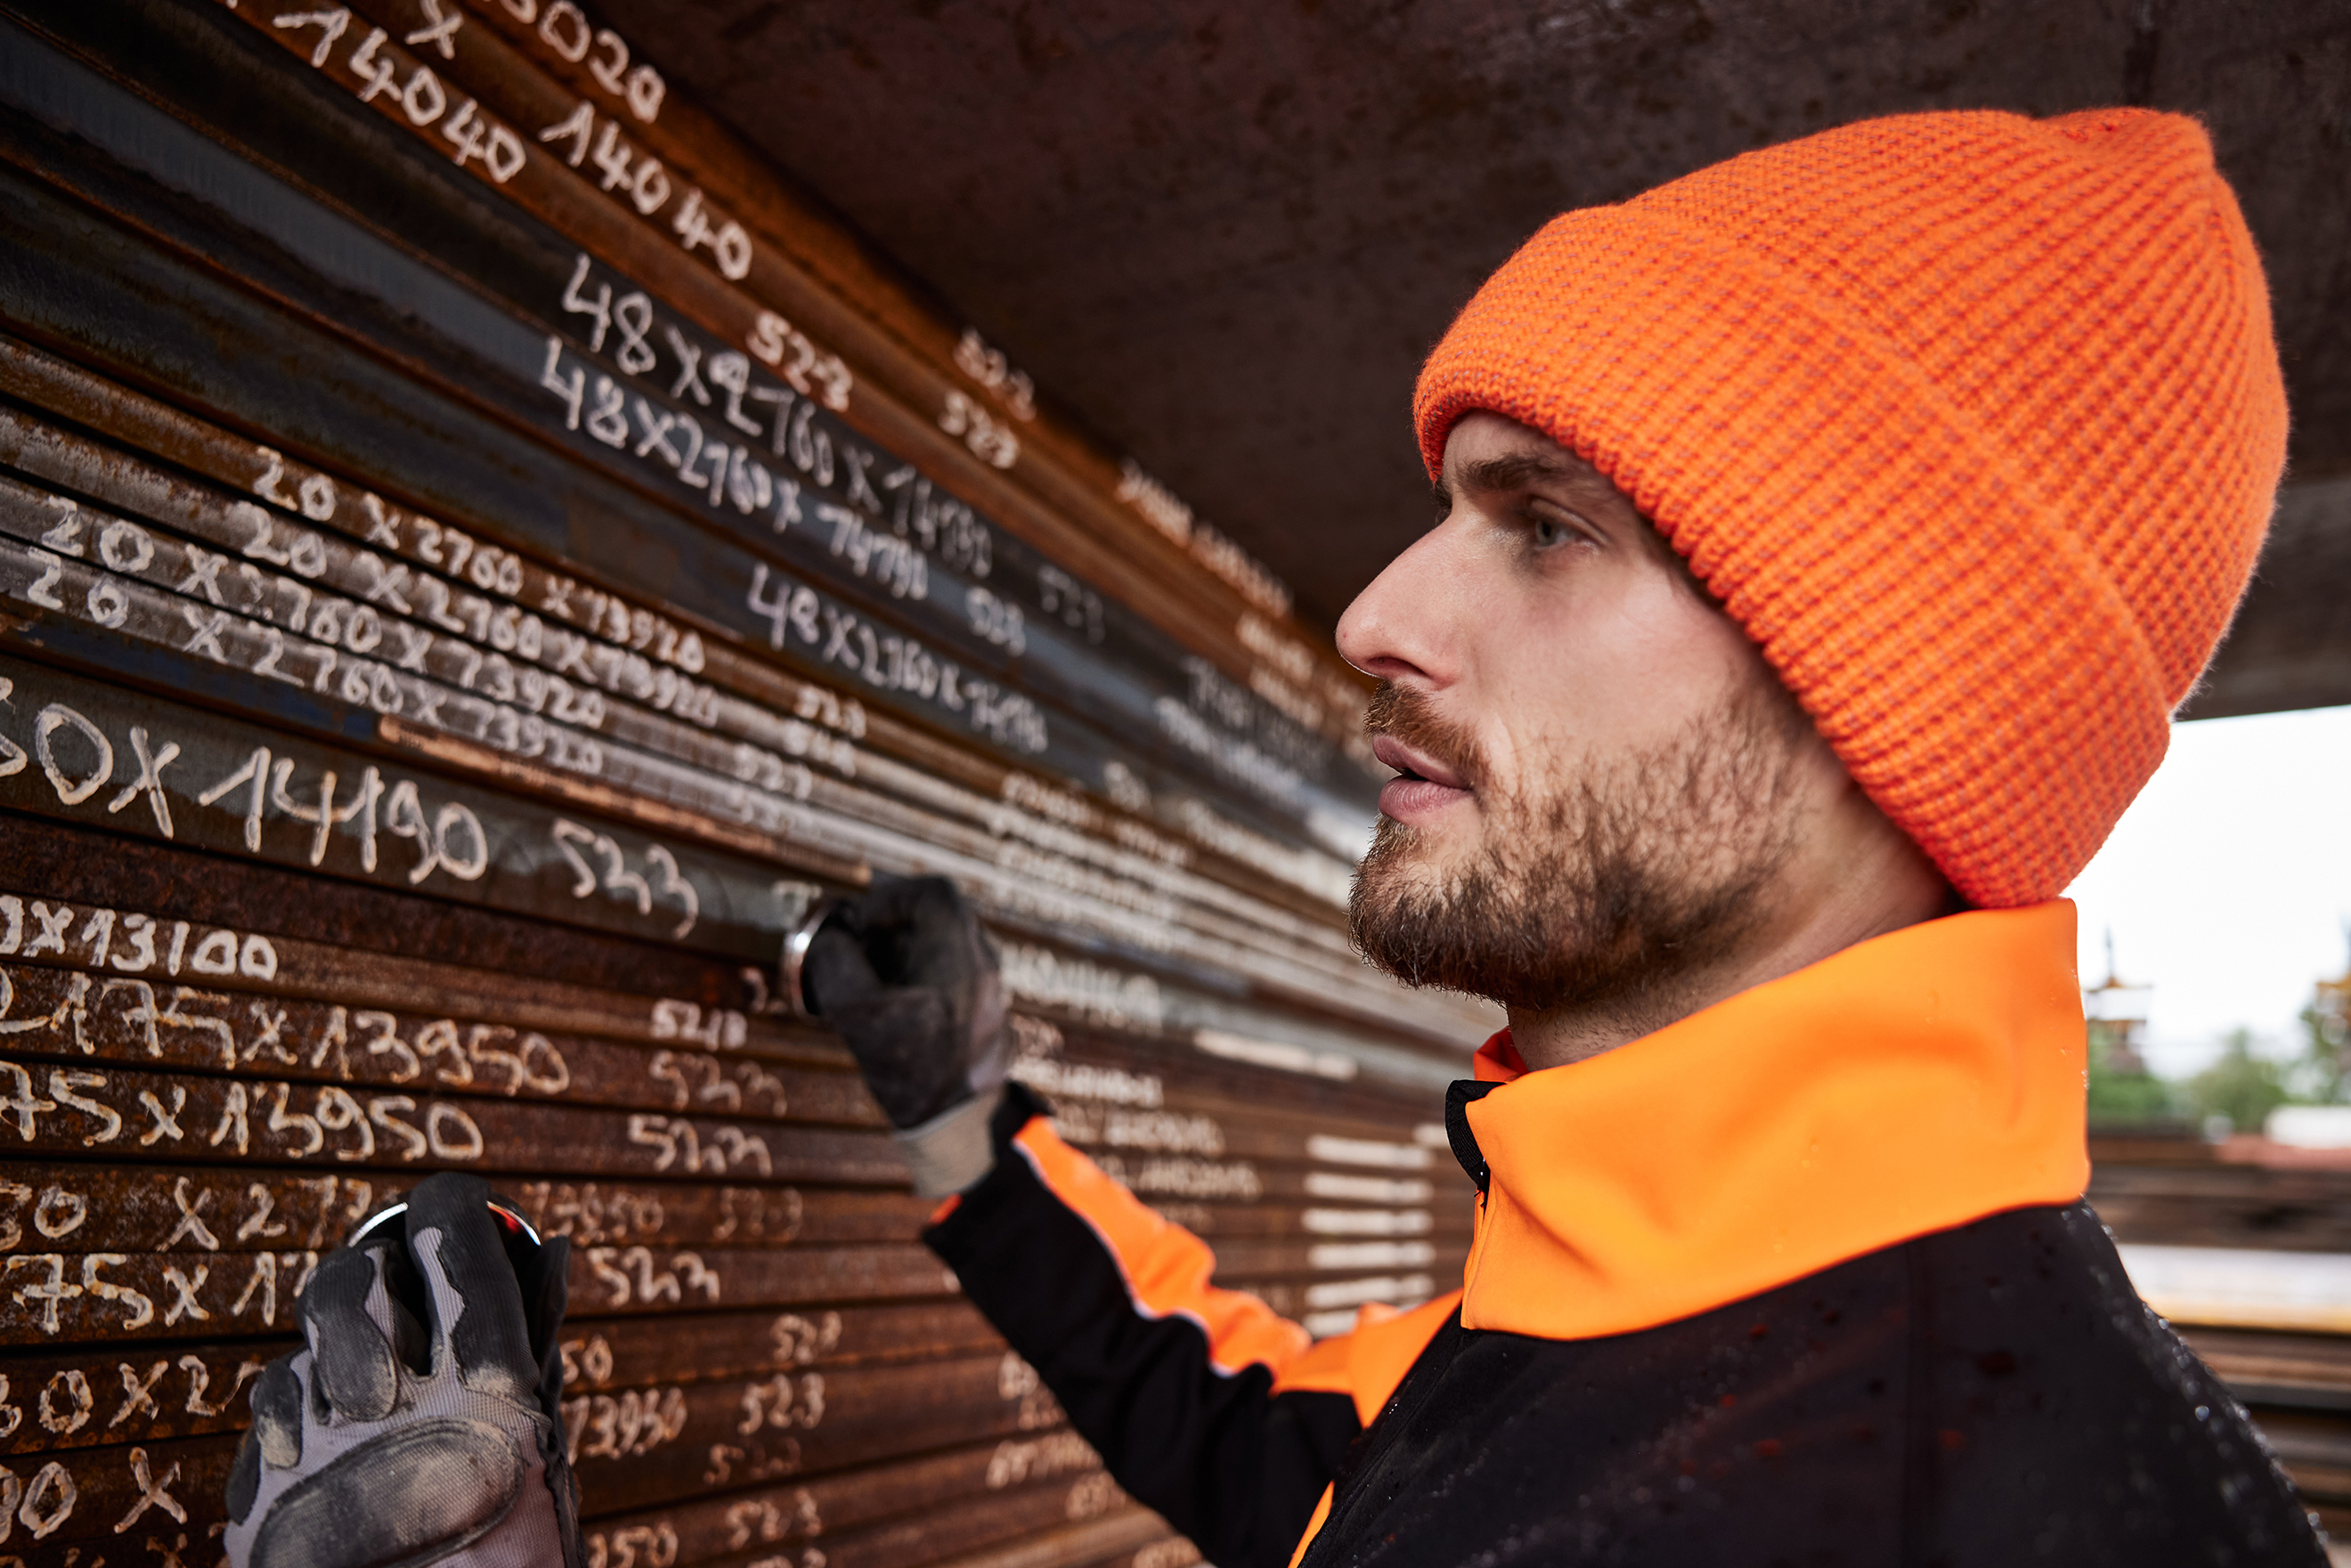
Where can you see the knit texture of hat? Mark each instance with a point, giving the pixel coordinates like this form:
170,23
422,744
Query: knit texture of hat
1972,421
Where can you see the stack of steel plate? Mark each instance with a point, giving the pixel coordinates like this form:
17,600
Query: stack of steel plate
479,555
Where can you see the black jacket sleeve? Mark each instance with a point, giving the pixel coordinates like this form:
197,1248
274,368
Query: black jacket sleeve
1168,1378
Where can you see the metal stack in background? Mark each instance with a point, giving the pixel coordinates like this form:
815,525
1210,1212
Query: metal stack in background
2246,1248
479,556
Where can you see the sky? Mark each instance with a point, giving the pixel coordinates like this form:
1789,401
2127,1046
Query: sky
2228,882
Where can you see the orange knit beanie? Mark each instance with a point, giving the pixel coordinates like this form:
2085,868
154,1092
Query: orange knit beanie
1972,421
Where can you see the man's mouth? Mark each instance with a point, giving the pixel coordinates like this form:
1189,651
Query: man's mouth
1424,786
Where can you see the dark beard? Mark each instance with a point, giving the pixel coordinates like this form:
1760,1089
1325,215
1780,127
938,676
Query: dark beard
1604,887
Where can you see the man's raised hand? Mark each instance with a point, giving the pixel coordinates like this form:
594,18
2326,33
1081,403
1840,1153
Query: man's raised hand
908,978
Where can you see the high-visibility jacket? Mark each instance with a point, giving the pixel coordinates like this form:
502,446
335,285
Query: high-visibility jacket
1804,1277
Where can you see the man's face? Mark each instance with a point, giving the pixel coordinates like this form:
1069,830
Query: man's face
1602,786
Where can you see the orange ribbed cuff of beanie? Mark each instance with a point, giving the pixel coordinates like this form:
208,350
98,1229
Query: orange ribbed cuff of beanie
1972,421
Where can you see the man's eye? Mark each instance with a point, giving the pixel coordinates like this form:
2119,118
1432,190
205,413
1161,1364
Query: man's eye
1549,531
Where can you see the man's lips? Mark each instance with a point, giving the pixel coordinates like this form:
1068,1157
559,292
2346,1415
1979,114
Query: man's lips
1416,763
1425,787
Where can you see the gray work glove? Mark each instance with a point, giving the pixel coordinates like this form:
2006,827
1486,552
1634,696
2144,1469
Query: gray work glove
907,978
423,1424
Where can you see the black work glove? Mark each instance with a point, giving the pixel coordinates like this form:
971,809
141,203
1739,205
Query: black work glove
423,1425
907,978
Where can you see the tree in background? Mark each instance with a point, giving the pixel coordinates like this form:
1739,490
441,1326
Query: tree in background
2240,1086
2126,1094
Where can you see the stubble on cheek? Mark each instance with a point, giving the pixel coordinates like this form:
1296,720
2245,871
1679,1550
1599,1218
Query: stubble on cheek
1603,878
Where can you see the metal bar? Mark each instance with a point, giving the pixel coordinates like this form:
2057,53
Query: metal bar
387,956
168,1492
2224,1205
65,1297
985,1535
644,1448
1164,1550
93,1396
139,1208
1078,1545
75,1114
606,1353
77,1015
86,1398
823,1506
341,922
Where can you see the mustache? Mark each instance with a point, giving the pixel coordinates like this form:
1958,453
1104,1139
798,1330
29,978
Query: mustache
1406,714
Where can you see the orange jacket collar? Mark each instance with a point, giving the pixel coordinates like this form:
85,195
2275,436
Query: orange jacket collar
1913,1082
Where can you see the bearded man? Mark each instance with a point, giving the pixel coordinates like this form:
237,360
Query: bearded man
1823,541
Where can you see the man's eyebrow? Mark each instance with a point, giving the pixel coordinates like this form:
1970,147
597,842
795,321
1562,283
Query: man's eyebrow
1517,470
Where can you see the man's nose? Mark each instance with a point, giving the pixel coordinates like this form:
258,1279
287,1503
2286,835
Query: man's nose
1406,624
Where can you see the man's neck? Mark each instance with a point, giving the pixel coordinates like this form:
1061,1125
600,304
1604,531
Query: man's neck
1905,891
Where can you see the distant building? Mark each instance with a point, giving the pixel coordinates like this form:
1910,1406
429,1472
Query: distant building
2329,1020
2330,1008
2116,1014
